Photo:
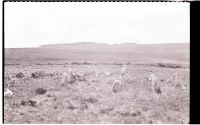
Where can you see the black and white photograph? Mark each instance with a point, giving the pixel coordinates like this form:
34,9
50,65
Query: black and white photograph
96,63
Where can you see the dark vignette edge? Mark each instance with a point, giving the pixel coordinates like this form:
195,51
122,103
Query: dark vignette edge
97,1
3,61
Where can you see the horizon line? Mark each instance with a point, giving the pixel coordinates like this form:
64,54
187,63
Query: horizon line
138,43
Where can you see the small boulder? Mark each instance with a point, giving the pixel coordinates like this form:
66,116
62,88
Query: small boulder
8,93
117,86
107,73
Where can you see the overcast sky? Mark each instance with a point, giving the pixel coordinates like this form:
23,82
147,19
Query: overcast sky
30,24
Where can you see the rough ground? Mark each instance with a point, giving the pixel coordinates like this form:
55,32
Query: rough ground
43,98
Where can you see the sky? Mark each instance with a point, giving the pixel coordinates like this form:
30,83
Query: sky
31,24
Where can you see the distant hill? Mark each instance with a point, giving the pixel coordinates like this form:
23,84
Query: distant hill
84,44
100,52
74,44
93,46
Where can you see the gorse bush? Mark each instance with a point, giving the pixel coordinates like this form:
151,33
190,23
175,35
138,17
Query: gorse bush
38,74
20,75
75,63
169,65
40,91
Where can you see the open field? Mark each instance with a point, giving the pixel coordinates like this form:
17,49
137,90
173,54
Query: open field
35,75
